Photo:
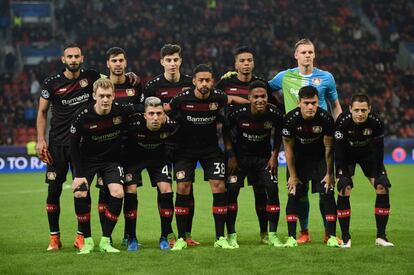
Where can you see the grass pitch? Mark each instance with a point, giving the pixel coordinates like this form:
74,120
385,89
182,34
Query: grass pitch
24,235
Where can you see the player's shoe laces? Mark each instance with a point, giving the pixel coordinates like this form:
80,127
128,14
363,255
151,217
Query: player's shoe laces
171,239
232,240
333,242
290,242
79,241
383,242
180,244
264,239
274,240
105,246
87,246
223,243
164,244
347,244
54,243
304,237
190,241
133,244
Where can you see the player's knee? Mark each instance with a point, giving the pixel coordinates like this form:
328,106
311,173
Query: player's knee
217,186
116,191
183,188
80,194
131,189
345,192
164,187
379,189
382,184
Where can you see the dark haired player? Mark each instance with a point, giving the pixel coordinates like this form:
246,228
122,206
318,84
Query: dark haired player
359,138
307,138
165,86
198,112
126,92
250,154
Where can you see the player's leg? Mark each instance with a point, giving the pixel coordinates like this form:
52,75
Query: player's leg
113,177
260,199
188,238
303,213
103,199
292,210
233,184
382,185
130,215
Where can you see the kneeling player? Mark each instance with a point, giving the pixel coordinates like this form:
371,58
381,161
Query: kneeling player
359,138
95,145
307,138
249,154
147,134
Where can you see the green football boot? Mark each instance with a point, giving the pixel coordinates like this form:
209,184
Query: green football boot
274,240
333,242
180,244
232,240
290,242
223,243
87,246
105,246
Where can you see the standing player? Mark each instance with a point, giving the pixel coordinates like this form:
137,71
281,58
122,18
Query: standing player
147,134
67,92
95,145
125,92
237,85
165,86
359,138
250,155
289,82
307,138
198,111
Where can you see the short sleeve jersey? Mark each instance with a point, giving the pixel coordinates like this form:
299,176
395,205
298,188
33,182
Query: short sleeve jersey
165,90
198,118
144,143
290,81
308,134
67,96
253,132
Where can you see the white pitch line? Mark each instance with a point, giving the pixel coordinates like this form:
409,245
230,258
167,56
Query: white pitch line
21,192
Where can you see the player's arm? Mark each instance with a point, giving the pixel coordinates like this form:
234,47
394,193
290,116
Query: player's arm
75,154
332,96
336,109
228,144
378,141
277,141
328,179
236,100
293,181
341,146
41,146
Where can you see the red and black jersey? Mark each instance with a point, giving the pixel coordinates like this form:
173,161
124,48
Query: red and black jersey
128,93
252,133
233,86
144,143
97,138
198,118
308,134
67,96
358,141
165,90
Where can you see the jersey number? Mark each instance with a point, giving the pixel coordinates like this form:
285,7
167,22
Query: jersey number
219,168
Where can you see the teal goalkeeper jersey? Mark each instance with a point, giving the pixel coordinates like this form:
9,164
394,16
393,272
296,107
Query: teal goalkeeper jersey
290,81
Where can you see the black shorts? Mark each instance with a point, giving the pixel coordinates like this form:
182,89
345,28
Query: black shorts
370,167
211,159
309,169
254,168
111,172
56,173
158,170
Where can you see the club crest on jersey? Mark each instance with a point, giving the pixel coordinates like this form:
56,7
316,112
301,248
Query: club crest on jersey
51,175
367,132
232,179
267,125
285,132
45,94
213,106
130,92
338,135
316,81
180,175
83,82
317,129
128,177
72,129
117,120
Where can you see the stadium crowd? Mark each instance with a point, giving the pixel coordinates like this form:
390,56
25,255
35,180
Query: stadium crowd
208,31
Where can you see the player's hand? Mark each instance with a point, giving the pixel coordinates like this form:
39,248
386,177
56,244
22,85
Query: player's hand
228,75
167,107
272,165
292,184
328,182
232,165
132,77
43,153
77,182
40,145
